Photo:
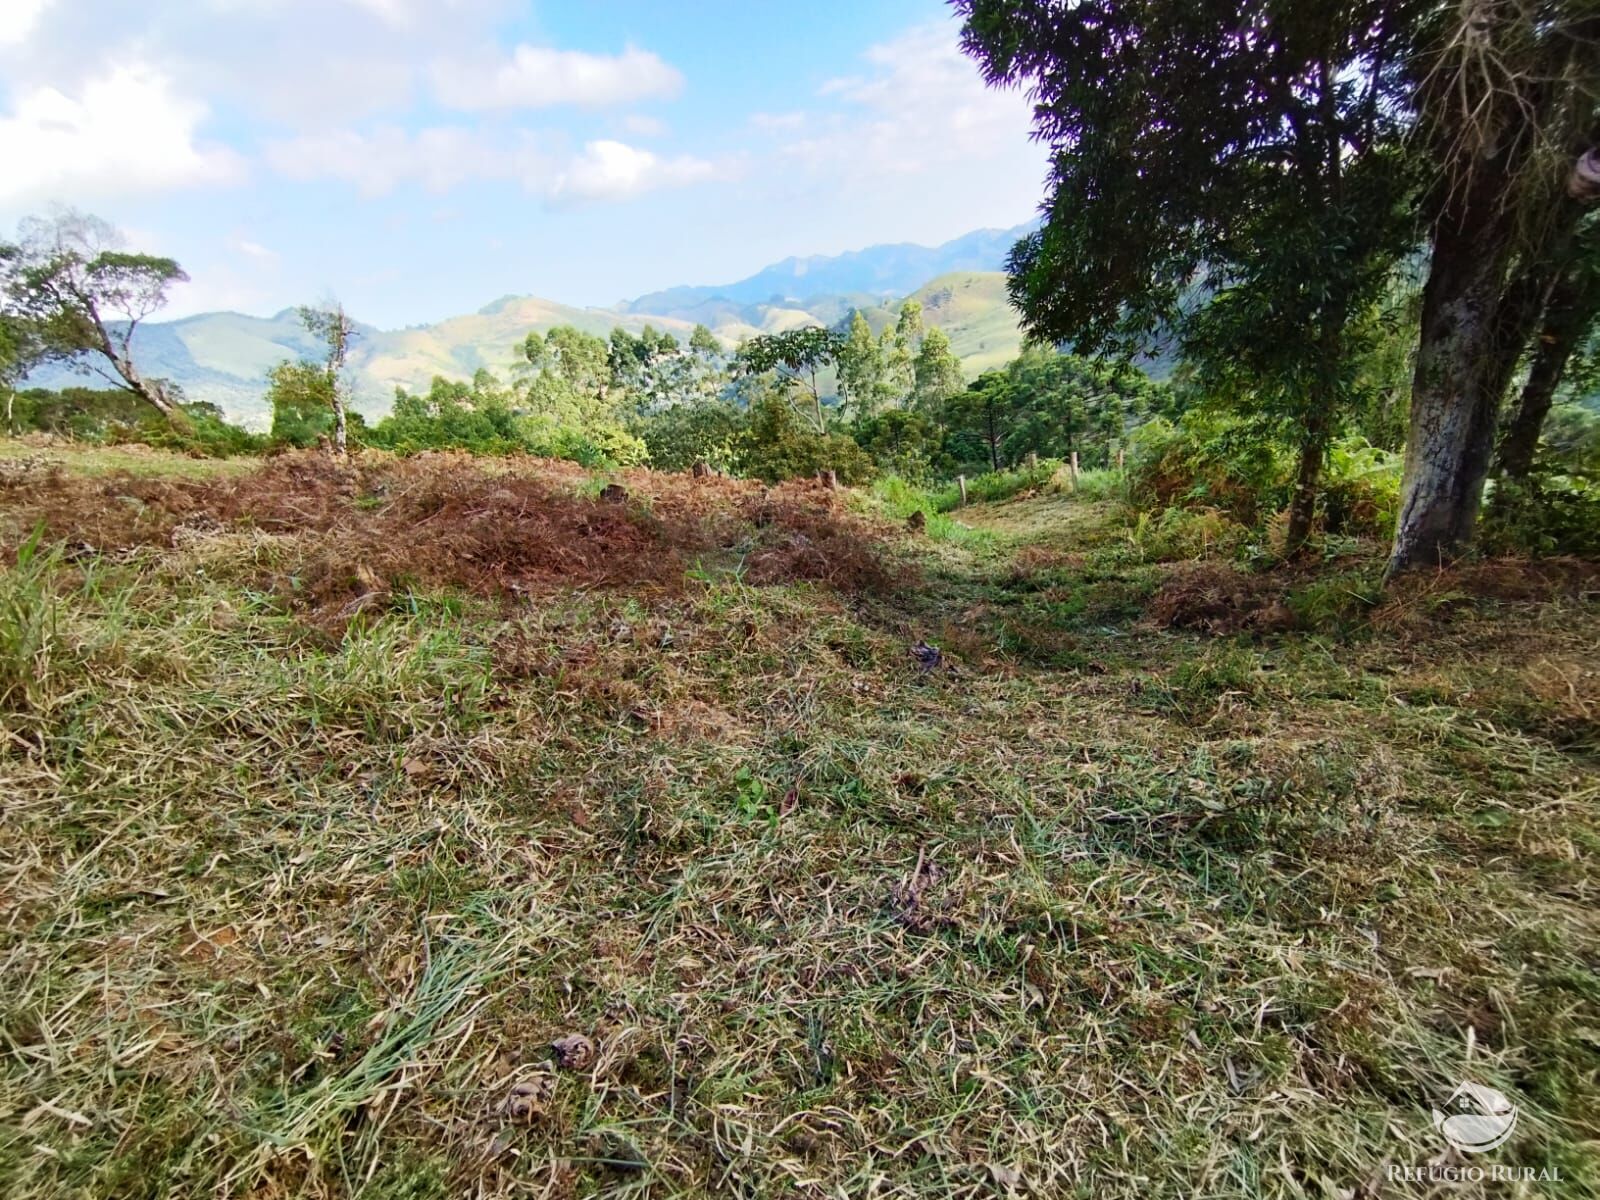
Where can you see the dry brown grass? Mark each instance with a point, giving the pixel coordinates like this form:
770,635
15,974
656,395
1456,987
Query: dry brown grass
364,530
285,913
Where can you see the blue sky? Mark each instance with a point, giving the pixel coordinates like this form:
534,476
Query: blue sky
420,158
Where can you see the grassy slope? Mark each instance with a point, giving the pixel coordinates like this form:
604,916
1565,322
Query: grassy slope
1103,911
973,310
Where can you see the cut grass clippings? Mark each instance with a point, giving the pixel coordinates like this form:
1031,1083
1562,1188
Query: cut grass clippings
1084,905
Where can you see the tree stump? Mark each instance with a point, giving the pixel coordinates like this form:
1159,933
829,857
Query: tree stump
828,479
702,469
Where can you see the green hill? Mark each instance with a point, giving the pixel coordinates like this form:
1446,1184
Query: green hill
972,309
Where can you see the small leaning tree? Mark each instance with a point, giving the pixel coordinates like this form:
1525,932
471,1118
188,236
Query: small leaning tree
82,298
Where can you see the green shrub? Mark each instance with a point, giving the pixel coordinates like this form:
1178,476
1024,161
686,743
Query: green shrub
1548,513
999,485
1234,467
1209,461
1177,534
774,445
680,435
1104,484
1333,604
1360,489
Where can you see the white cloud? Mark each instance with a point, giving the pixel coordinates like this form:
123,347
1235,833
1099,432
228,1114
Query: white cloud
641,125
18,21
922,105
126,133
542,77
439,159
777,122
614,171
255,250
391,12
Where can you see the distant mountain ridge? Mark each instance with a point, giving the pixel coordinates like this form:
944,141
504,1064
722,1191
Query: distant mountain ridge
224,357
878,271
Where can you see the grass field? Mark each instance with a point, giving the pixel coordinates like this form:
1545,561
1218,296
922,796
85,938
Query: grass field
337,801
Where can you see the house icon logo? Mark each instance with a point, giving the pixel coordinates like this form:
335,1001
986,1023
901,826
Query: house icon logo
1482,1118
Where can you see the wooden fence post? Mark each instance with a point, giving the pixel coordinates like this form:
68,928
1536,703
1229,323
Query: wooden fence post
962,481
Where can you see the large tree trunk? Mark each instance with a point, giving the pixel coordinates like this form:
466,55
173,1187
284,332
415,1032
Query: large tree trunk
1454,396
1487,128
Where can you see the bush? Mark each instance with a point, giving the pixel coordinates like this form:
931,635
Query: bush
481,418
680,435
1548,513
209,434
1232,467
1222,463
774,446
1361,489
81,413
300,395
1104,484
1176,534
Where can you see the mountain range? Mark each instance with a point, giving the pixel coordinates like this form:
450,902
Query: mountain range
224,357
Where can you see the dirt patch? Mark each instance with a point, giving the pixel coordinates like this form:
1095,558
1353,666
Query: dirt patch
366,527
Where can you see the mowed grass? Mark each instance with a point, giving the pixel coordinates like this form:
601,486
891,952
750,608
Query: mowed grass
1089,908
21,455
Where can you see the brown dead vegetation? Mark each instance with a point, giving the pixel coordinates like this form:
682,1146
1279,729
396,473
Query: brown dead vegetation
1217,599
1220,599
364,529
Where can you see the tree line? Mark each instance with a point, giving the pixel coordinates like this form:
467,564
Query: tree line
1246,178
844,399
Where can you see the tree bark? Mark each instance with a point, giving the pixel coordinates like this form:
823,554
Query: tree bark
1568,316
340,427
1454,401
151,392
1303,505
1489,131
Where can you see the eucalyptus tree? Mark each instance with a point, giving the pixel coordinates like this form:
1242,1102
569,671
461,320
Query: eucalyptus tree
20,347
863,372
1255,147
332,326
935,371
651,365
1567,320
